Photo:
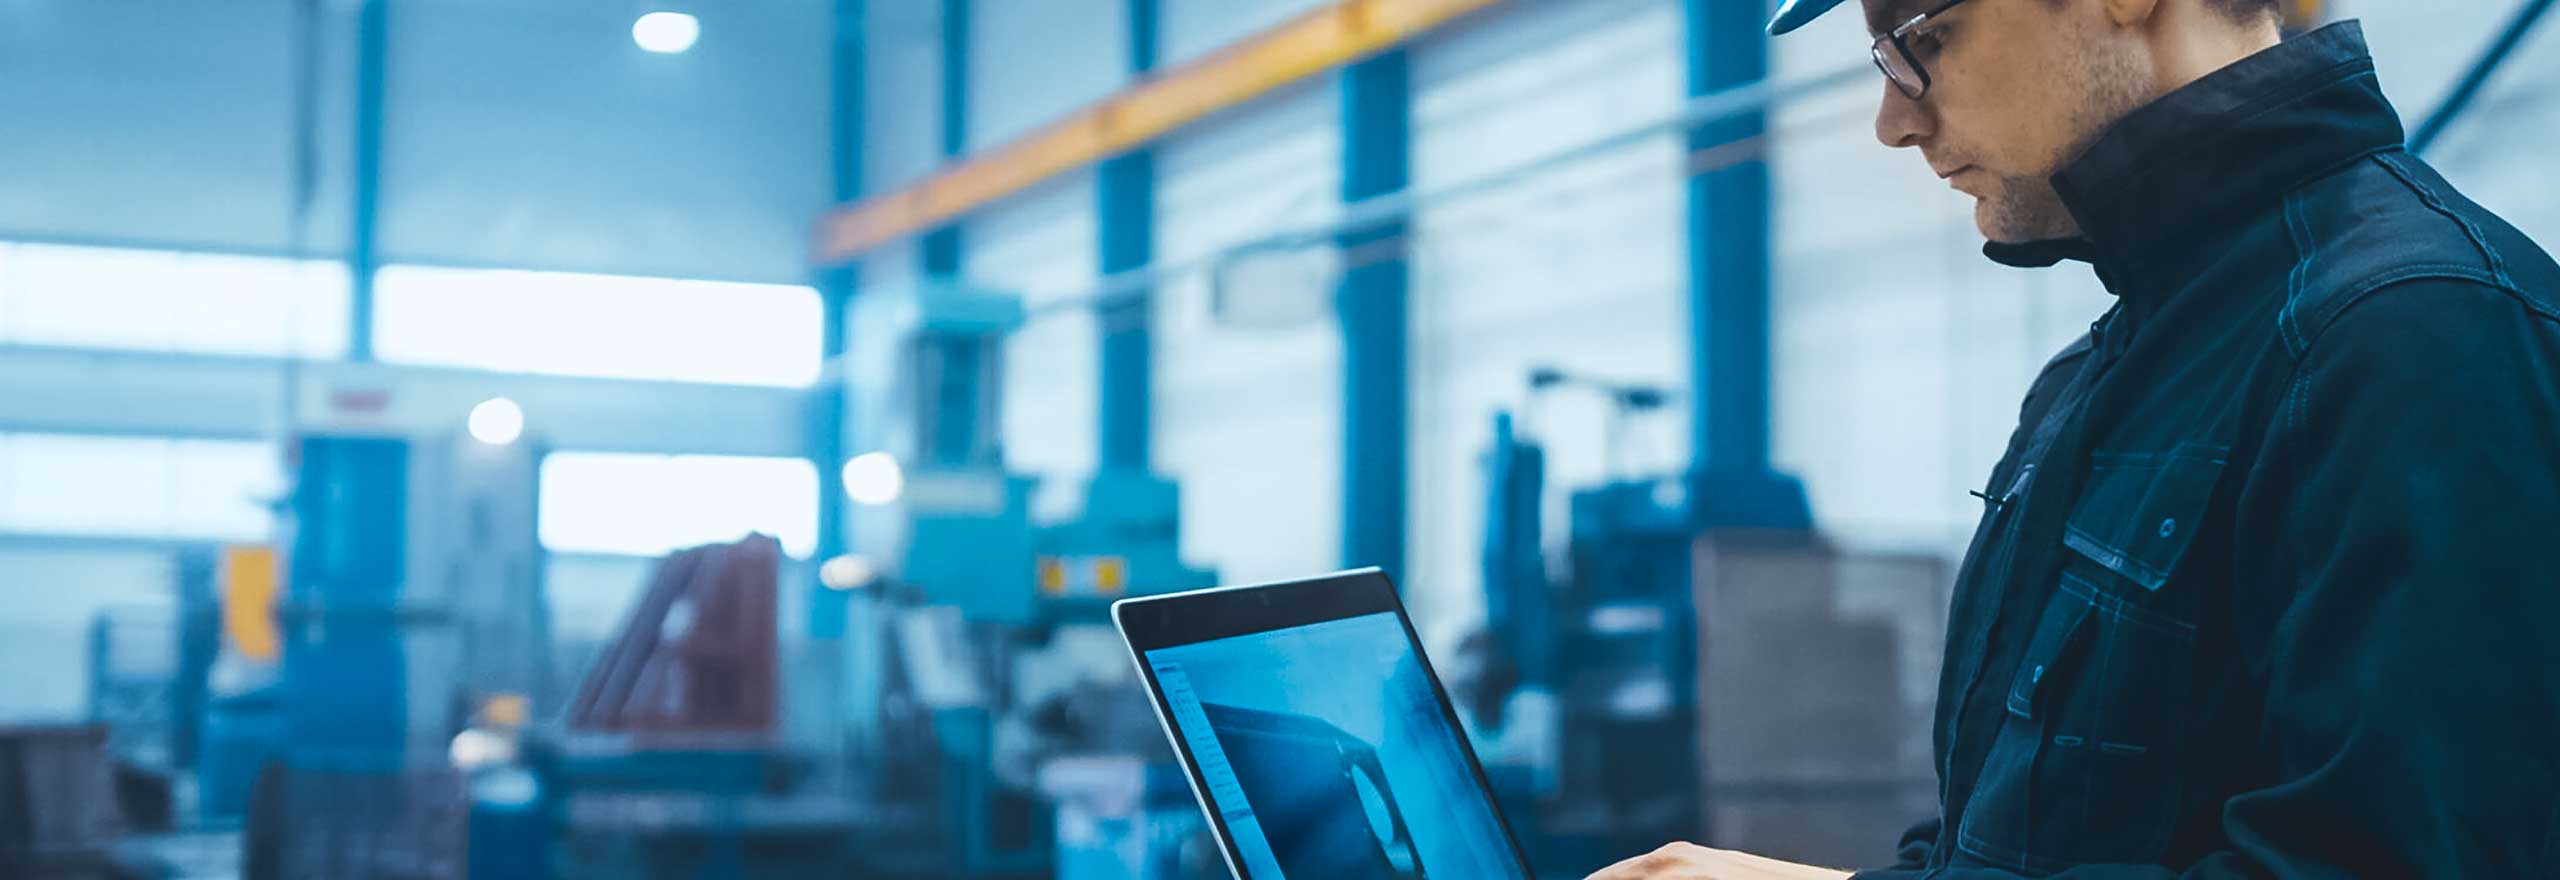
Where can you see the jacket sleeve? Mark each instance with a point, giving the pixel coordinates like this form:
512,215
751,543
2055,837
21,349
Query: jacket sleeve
2399,582
1913,854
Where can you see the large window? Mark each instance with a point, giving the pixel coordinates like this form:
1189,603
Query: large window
150,300
647,505
598,325
140,487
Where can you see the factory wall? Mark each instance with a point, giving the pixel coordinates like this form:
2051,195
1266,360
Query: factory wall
1192,28
1040,244
902,95
1248,357
532,135
1580,268
1083,52
514,135
167,124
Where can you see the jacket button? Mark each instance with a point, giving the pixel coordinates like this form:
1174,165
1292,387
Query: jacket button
2168,527
2036,676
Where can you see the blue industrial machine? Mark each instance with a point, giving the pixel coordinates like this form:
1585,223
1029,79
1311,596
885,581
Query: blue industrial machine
1612,642
411,588
994,726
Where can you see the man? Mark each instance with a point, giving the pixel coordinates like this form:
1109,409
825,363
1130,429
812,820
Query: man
2267,586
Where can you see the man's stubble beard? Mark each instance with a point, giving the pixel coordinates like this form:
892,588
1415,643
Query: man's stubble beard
2113,82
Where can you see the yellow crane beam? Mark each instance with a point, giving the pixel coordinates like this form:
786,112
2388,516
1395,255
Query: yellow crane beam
1310,44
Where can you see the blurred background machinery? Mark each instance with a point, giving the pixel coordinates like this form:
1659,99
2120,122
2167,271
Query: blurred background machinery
994,725
403,474
1602,640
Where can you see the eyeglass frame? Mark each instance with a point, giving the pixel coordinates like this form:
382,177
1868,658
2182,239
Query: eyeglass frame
1895,37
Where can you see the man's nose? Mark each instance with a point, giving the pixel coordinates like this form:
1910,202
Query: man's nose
1902,121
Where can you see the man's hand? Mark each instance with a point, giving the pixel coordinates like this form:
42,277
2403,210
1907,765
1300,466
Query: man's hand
1688,861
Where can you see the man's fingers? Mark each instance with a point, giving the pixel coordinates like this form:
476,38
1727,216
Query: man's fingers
1775,867
1689,861
1677,861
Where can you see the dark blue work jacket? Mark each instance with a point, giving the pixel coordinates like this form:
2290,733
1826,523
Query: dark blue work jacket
2269,582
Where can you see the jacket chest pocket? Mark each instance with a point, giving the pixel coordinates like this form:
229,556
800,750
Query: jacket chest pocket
2085,768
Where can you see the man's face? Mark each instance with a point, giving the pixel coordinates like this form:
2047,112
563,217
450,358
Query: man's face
2017,89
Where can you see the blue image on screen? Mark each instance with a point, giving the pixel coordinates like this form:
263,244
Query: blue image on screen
1328,756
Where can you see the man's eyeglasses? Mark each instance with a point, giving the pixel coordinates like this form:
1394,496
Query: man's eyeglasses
1902,51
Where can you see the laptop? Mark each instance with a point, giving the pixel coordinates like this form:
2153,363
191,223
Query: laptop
1315,734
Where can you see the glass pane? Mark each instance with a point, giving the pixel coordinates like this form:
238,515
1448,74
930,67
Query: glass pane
253,306
168,301
93,297
224,489
141,487
598,325
647,505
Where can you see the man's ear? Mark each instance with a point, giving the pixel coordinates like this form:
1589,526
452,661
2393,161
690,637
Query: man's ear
2131,13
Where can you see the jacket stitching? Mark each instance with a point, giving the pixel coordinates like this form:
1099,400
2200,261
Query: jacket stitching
2435,202
2333,310
2298,389
2289,323
2120,609
2186,452
2246,113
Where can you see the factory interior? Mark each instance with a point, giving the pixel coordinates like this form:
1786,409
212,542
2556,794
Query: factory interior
690,439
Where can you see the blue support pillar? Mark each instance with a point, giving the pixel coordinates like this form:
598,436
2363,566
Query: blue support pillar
1732,484
941,247
836,288
1124,211
1376,154
372,40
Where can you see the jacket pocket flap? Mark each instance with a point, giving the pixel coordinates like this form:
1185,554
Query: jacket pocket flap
2059,642
2140,511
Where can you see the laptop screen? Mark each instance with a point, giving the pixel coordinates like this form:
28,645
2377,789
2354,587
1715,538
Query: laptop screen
1327,752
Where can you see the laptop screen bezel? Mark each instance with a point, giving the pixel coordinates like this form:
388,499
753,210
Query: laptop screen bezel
1168,621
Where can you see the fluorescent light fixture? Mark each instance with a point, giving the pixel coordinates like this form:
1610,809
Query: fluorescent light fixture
874,478
497,421
666,33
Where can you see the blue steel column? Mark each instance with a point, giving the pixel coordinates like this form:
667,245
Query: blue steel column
372,36
1124,210
1732,484
1376,151
955,406
836,288
940,249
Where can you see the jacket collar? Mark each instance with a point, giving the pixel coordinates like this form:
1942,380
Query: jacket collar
2158,186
